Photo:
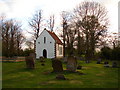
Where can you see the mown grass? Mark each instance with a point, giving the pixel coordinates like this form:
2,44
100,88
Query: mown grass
15,75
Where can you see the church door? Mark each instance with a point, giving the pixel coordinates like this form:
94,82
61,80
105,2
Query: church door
45,53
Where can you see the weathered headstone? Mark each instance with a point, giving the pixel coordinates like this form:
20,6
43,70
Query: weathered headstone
106,64
60,77
71,64
57,65
30,63
42,60
114,65
32,55
99,61
65,59
81,58
79,67
87,61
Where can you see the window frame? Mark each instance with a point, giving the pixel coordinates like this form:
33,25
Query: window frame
44,40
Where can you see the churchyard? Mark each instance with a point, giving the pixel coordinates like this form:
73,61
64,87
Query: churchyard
90,75
75,47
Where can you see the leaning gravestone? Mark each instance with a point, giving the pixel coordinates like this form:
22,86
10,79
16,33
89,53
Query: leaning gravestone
30,63
71,64
57,65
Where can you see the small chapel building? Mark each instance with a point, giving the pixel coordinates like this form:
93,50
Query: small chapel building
48,45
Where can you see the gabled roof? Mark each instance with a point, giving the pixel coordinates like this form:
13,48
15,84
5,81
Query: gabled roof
55,37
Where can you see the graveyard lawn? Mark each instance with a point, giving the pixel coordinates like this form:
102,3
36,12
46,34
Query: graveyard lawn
15,75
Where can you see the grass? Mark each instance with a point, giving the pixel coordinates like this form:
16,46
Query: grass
15,75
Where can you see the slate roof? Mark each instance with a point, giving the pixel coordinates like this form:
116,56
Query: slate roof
55,37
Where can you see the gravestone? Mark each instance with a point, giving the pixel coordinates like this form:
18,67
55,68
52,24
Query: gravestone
81,58
79,67
99,61
87,61
60,77
30,63
57,65
32,55
65,59
106,64
71,64
114,65
41,59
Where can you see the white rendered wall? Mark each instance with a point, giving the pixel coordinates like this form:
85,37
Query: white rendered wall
57,50
50,47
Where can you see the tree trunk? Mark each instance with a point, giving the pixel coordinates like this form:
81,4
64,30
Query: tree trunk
35,48
87,55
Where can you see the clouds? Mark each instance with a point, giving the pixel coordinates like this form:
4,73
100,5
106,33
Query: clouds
24,9
3,7
112,7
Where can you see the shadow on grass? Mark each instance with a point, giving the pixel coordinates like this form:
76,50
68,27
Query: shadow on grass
65,72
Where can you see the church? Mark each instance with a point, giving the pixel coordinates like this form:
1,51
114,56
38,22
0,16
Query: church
48,45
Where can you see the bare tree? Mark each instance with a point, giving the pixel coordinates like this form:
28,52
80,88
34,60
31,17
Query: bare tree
10,31
35,24
51,22
112,39
69,32
19,41
80,39
93,21
70,37
29,44
65,18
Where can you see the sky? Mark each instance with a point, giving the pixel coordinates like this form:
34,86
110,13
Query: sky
22,10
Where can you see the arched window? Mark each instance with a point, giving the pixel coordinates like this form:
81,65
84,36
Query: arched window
44,40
